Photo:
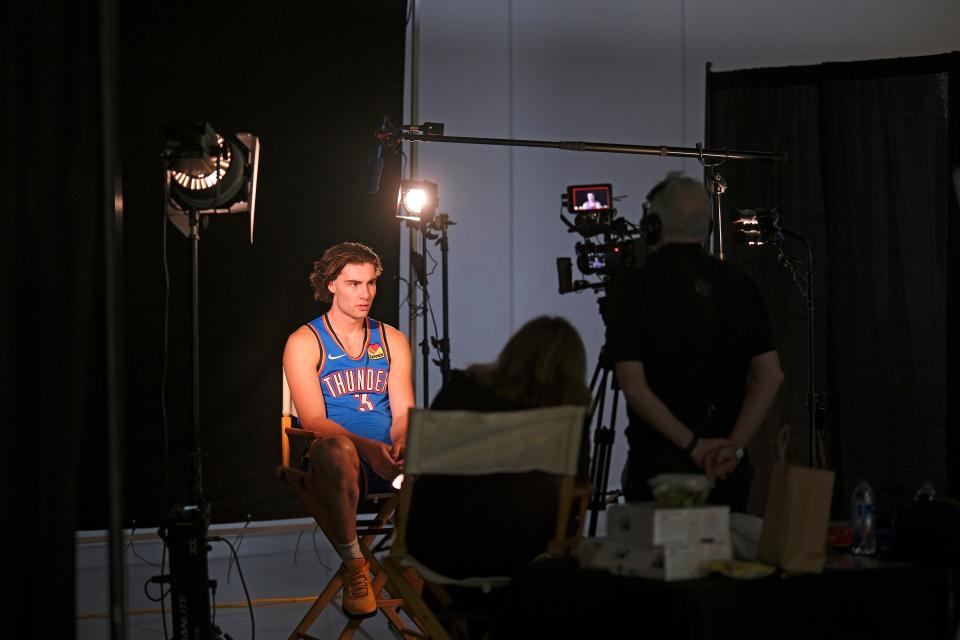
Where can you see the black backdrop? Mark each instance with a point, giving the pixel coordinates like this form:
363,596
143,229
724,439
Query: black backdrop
868,184
311,80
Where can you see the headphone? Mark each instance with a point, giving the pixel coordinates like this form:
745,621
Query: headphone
651,225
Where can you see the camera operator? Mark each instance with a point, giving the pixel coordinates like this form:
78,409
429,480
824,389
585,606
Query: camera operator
694,352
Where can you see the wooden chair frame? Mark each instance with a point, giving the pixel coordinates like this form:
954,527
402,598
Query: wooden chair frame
571,495
374,518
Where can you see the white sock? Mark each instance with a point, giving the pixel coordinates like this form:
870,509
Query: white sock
349,551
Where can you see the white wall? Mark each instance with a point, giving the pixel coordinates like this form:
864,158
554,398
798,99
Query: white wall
627,72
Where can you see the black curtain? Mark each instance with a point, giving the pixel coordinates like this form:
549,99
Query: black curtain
52,318
312,81
868,184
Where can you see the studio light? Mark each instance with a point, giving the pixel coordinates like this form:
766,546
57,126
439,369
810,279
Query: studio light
759,226
417,200
209,172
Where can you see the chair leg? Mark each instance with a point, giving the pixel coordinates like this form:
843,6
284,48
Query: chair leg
325,597
413,601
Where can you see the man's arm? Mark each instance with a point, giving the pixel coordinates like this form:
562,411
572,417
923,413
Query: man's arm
766,376
399,388
651,409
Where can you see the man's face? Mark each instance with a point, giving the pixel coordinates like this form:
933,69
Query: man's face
354,290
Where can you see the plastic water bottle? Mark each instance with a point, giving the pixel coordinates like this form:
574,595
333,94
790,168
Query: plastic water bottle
864,512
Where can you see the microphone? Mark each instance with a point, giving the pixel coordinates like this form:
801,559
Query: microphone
376,167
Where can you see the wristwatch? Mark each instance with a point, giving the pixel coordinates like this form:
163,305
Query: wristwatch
739,453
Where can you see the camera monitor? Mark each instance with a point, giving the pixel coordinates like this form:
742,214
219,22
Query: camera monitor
589,197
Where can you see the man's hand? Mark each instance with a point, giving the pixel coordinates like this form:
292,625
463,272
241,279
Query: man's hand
380,458
707,446
720,462
397,451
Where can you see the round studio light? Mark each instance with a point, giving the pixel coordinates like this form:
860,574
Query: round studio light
417,200
209,182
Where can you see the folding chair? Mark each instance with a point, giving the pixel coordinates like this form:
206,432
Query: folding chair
483,494
374,518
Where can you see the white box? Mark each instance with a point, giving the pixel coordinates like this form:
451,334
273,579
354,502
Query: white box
645,524
669,563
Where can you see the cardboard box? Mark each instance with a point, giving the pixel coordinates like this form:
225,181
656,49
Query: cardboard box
669,563
645,524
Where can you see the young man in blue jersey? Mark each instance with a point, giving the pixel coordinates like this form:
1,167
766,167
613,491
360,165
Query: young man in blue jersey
351,381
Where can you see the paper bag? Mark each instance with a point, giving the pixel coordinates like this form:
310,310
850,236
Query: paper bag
794,535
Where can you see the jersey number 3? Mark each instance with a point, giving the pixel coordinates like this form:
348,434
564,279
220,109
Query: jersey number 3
364,405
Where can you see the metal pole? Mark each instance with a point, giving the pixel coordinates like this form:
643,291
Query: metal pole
411,235
443,221
416,135
195,308
718,186
425,345
813,398
111,196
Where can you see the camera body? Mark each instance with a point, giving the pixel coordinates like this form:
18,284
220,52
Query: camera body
610,245
607,257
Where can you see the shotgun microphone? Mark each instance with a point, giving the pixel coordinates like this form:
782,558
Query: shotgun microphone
376,166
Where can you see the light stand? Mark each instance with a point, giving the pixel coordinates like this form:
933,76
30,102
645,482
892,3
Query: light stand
441,222
204,174
762,227
815,405
417,204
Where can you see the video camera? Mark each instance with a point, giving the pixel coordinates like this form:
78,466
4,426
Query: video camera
610,246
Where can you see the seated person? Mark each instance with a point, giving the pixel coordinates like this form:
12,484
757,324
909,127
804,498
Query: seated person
351,382
542,365
592,203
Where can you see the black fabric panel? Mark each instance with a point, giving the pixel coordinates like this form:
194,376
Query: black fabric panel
311,79
866,184
52,363
884,143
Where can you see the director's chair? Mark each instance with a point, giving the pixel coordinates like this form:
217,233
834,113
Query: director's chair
483,494
374,519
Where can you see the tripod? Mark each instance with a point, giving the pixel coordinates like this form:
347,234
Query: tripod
603,436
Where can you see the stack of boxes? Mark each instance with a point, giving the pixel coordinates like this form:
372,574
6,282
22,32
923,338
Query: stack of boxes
646,540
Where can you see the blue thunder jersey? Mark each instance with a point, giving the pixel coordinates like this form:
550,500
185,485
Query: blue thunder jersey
355,389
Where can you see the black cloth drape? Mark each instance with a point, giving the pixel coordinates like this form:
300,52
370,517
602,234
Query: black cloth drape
52,334
867,183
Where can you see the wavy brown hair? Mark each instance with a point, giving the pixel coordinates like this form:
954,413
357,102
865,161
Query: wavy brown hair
543,364
332,262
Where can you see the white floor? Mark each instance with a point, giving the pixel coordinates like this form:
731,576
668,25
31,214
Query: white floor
284,564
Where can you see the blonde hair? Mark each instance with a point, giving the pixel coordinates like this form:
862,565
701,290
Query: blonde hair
332,262
543,364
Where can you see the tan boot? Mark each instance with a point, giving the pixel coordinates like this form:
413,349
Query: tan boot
358,598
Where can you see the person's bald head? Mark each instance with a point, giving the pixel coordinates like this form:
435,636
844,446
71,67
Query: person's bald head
684,209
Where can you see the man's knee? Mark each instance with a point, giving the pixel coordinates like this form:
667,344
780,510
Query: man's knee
334,455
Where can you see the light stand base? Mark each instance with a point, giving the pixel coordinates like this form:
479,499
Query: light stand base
185,534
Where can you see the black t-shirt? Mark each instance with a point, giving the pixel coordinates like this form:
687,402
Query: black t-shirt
695,322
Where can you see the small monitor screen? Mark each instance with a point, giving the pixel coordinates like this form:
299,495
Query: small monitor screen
589,197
